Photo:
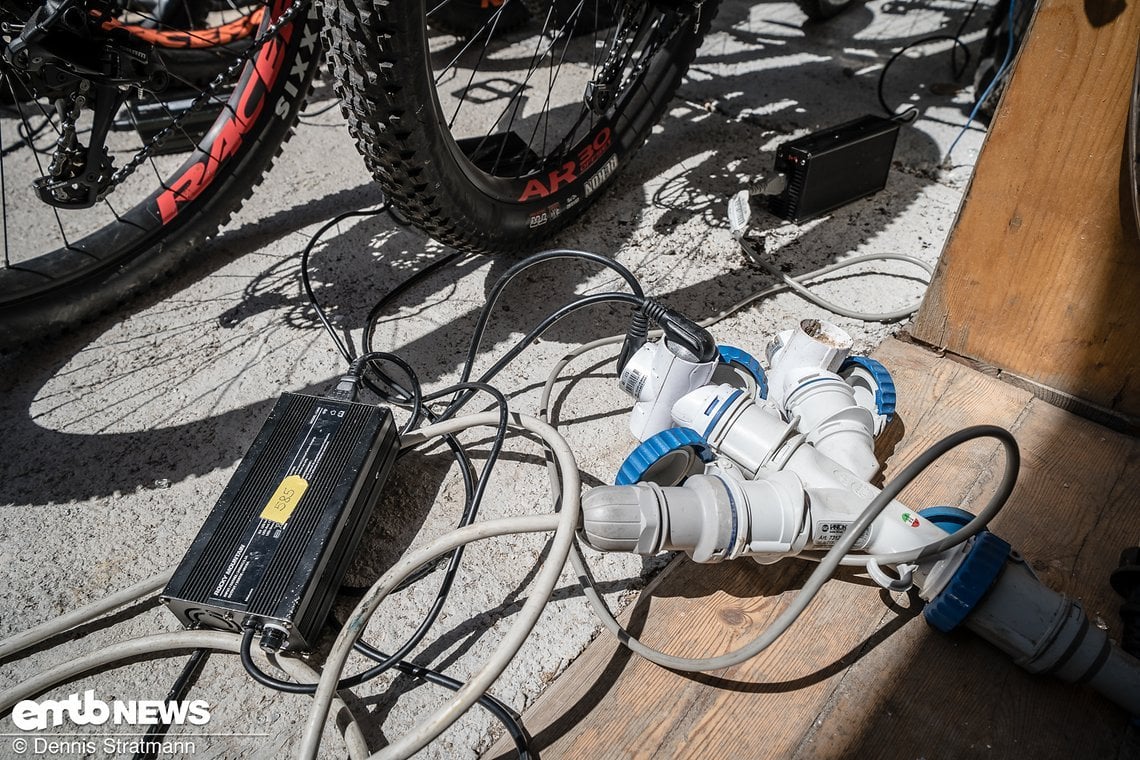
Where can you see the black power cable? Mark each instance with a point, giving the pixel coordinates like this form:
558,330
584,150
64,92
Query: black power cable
910,113
368,365
468,517
343,345
635,299
403,287
151,741
497,708
549,321
531,261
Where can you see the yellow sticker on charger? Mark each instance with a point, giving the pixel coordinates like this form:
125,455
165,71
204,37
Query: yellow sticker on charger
284,499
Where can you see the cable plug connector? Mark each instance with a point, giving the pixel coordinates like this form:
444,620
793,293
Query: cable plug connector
772,184
682,333
739,213
635,337
740,204
273,639
346,388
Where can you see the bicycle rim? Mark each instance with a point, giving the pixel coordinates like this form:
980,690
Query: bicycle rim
51,252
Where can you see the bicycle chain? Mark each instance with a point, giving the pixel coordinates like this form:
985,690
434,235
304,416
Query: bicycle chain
245,57
67,145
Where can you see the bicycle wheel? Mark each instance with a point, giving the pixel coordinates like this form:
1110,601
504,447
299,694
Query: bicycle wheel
183,151
492,141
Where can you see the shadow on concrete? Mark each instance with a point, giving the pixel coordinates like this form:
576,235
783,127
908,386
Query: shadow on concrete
44,466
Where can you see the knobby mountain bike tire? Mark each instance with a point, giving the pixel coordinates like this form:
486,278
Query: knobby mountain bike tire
64,266
495,139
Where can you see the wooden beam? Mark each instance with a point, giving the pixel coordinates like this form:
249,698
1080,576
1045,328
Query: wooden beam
1041,273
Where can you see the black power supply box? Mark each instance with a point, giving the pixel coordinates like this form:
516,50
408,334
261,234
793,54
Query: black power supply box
273,551
833,167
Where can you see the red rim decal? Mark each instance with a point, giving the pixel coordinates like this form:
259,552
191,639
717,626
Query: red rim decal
570,171
228,137
207,37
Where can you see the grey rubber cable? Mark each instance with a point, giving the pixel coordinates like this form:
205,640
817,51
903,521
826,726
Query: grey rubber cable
564,522
84,614
796,283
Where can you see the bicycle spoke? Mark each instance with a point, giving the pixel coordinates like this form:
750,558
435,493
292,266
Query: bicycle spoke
551,79
475,69
466,46
519,131
515,99
36,155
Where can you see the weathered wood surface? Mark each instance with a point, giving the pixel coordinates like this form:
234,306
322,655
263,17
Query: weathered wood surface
1041,273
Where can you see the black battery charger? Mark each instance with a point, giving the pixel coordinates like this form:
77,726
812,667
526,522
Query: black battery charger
833,167
272,553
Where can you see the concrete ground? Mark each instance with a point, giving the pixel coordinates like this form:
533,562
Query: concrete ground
119,437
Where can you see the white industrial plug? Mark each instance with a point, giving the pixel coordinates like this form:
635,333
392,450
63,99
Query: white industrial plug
713,517
656,376
769,494
805,383
741,474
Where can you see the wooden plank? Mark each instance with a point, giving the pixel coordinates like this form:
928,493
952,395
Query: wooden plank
1041,273
1076,502
942,397
854,678
609,704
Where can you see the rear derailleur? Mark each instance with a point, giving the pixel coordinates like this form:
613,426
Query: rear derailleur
65,53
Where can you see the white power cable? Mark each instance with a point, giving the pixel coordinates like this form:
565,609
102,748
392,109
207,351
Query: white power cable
351,732
438,722
120,653
797,284
110,655
84,614
739,214
564,523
